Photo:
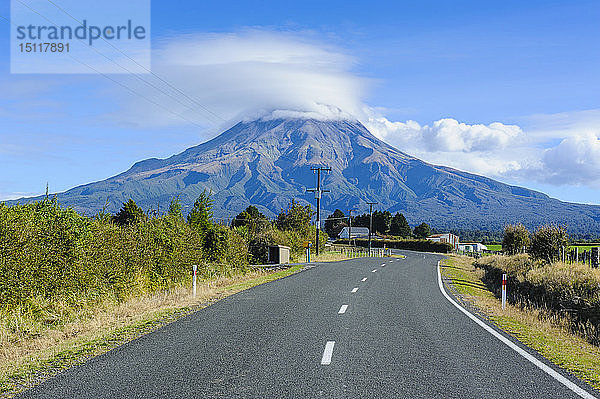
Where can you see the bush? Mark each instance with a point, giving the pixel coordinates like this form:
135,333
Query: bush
515,239
54,254
215,242
567,291
548,242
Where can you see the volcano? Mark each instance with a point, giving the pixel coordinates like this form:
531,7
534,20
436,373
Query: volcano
267,163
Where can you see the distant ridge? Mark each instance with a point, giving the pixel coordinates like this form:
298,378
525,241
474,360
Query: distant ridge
267,163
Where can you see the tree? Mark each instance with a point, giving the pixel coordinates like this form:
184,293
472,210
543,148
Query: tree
381,221
175,208
548,242
201,214
252,218
215,241
295,217
399,226
335,223
515,239
361,220
422,231
129,213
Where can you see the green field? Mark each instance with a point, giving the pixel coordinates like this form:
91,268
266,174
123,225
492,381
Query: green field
584,247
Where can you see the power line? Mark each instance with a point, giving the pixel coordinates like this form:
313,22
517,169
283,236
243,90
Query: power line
125,86
143,67
116,63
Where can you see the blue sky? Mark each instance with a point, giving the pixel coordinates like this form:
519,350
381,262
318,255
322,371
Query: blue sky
507,89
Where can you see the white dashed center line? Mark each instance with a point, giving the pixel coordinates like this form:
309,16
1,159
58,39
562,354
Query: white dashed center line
343,309
327,353
364,279
354,289
373,271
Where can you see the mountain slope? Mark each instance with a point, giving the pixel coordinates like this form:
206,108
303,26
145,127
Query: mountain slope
267,163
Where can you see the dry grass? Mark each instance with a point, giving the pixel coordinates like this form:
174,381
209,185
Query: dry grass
550,336
26,359
327,256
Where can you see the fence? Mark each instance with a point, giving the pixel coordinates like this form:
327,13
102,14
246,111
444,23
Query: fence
357,252
475,255
589,257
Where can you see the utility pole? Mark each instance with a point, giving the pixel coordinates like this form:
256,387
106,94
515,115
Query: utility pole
370,222
318,192
350,224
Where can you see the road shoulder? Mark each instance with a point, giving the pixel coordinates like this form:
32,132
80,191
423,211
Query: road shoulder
552,340
40,365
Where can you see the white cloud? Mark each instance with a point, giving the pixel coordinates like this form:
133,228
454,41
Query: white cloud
576,160
446,134
246,74
561,151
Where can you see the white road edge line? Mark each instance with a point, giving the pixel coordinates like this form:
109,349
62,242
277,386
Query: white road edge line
548,370
327,353
364,279
343,309
354,289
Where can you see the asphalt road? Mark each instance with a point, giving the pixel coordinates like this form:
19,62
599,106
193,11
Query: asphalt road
398,337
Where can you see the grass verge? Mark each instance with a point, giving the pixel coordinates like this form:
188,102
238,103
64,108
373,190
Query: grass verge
548,336
30,361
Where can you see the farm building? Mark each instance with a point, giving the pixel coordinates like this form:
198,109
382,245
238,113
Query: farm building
471,247
357,232
446,237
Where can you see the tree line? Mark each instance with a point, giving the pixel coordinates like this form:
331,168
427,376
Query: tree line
384,224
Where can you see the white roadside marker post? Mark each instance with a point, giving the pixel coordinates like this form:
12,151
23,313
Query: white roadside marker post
195,267
504,291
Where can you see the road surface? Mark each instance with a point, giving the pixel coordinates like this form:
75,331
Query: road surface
362,328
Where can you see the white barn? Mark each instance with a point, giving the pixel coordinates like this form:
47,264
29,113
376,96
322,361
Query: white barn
357,232
446,237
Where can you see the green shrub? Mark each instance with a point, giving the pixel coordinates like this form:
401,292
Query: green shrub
548,242
52,255
515,239
215,242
